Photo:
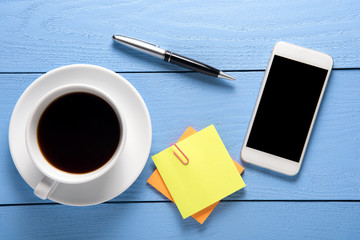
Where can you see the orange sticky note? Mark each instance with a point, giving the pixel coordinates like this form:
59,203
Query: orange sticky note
156,181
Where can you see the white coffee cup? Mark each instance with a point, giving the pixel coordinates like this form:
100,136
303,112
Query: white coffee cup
54,176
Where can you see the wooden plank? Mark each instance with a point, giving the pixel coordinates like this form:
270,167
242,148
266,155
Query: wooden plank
331,166
37,36
230,220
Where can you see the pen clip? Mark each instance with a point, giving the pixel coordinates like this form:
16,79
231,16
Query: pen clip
185,163
143,41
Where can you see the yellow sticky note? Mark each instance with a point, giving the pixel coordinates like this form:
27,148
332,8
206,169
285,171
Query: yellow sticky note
156,181
209,177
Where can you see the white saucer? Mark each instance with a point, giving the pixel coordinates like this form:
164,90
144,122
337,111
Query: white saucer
135,153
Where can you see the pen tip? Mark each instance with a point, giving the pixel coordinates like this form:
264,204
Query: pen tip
225,76
113,37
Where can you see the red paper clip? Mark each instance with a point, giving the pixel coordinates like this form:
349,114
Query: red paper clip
185,163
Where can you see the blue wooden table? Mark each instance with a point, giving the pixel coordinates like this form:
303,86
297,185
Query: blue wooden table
321,202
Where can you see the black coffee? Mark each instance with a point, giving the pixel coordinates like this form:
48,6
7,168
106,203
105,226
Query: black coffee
78,132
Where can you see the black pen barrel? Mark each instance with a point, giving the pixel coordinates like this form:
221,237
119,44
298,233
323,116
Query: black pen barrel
190,64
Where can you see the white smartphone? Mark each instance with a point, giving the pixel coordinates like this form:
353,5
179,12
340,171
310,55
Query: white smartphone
286,108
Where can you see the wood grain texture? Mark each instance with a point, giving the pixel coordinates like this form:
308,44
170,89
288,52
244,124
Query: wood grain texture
229,220
39,35
330,170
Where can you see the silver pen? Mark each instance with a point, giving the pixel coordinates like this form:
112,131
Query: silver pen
171,57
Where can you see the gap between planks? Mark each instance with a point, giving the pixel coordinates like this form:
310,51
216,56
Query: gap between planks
245,70
167,201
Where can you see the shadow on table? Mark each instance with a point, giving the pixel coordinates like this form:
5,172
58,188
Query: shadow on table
56,221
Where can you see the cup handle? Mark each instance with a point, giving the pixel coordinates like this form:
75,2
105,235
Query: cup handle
45,188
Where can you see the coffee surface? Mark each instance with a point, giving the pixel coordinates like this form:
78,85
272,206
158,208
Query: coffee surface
78,132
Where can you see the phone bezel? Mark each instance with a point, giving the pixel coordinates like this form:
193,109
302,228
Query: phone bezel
300,54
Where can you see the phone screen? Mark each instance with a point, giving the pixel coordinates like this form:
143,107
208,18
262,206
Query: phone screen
286,108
